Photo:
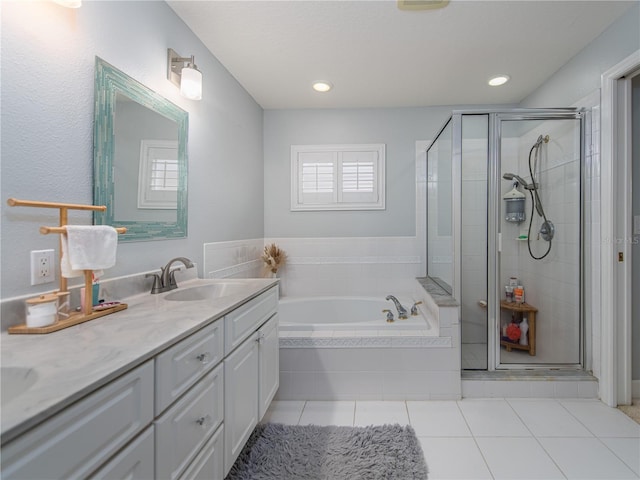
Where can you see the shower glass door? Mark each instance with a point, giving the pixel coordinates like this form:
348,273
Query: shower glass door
539,241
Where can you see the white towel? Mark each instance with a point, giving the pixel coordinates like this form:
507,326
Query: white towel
88,247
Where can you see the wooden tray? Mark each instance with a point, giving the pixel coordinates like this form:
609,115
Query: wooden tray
74,319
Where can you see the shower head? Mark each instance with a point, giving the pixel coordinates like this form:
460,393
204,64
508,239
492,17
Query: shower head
541,139
520,180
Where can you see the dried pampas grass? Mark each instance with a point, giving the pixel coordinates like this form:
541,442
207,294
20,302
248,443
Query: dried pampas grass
273,257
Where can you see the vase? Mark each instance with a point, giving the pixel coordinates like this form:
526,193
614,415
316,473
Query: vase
524,328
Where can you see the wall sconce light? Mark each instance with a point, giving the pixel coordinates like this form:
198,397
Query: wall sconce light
182,72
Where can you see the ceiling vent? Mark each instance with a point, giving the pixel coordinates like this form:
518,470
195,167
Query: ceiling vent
421,4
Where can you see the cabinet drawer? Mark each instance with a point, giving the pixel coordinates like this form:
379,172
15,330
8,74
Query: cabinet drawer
183,429
82,437
180,366
209,464
134,462
244,320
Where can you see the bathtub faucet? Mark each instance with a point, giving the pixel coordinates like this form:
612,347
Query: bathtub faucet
402,312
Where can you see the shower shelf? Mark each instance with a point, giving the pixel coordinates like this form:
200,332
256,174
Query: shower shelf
522,308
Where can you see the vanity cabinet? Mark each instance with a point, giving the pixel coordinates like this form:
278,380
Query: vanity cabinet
184,414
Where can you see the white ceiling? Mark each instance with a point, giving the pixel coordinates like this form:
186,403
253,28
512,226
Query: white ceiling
379,56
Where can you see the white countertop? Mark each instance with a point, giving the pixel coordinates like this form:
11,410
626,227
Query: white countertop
75,361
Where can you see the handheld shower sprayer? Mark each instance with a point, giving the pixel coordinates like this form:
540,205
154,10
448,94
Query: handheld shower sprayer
517,178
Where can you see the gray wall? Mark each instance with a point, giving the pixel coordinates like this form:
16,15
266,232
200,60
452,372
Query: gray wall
398,128
635,252
48,54
581,75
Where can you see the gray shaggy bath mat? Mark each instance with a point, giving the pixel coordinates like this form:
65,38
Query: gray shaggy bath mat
310,452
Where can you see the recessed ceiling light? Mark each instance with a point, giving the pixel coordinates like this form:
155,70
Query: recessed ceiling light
322,86
499,80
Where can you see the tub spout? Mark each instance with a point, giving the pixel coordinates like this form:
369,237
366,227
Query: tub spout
402,312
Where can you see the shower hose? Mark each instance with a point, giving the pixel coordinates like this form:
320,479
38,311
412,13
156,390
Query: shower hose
536,204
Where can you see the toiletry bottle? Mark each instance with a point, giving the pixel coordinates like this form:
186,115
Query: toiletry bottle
509,293
518,294
524,328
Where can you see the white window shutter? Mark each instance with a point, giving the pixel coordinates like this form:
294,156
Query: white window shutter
337,177
359,177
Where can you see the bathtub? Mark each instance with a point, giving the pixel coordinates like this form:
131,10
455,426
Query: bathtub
342,348
347,313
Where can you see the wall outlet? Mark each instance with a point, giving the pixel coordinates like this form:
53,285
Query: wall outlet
42,269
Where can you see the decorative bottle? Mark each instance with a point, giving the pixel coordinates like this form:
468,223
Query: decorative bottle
524,328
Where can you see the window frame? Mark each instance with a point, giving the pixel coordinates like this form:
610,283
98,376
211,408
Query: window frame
336,153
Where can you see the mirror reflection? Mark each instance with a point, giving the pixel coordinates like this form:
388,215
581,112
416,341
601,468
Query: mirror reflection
140,161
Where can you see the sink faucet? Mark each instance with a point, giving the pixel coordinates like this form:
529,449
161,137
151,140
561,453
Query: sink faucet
402,312
167,279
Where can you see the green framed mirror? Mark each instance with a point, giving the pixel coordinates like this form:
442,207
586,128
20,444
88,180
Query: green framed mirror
140,158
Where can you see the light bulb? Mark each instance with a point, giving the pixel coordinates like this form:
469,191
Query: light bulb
322,87
499,80
191,83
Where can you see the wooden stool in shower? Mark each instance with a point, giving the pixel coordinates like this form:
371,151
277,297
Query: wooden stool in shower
530,310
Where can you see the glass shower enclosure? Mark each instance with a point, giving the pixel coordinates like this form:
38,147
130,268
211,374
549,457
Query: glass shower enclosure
504,234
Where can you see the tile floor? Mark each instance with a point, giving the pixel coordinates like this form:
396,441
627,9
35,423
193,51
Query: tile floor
496,438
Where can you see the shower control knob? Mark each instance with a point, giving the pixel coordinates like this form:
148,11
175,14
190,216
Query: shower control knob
547,231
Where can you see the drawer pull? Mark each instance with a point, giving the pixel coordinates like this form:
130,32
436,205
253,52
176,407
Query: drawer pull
260,338
203,421
204,357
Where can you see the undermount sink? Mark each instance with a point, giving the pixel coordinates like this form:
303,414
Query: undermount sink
206,292
16,381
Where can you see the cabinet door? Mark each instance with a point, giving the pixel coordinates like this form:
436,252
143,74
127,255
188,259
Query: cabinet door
269,347
134,462
240,398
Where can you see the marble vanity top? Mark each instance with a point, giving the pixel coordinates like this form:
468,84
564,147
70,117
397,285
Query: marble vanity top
66,365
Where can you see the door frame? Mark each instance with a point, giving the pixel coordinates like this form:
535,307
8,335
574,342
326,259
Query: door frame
615,218
495,176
